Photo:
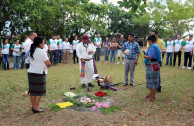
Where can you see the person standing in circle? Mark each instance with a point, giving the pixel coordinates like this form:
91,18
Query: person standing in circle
74,45
4,51
16,54
85,50
121,42
39,63
27,46
131,58
106,45
97,43
113,50
66,50
169,50
53,47
152,60
23,54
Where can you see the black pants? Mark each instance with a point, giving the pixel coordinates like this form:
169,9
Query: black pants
53,53
186,57
179,58
27,65
74,56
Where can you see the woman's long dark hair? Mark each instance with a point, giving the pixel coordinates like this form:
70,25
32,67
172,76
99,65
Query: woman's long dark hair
37,41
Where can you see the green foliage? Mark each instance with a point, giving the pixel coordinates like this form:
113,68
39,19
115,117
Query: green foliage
77,17
134,6
109,110
77,103
54,107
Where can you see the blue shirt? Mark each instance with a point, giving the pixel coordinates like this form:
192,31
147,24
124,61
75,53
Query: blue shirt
152,52
133,49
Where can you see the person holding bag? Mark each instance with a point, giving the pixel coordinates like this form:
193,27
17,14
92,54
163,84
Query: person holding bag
152,59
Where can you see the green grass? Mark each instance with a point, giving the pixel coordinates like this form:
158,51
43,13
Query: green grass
173,106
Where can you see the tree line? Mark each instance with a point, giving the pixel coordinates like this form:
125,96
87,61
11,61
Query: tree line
76,17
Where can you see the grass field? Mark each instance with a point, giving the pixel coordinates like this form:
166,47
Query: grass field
173,106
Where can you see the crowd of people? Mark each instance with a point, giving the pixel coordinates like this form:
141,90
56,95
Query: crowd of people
35,53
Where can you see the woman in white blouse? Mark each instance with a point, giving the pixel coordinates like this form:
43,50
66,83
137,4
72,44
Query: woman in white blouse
39,63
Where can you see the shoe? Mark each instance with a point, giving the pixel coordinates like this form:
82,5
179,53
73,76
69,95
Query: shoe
125,84
179,67
166,64
173,65
90,85
83,85
39,108
132,85
158,89
36,111
189,68
118,62
183,67
170,65
123,62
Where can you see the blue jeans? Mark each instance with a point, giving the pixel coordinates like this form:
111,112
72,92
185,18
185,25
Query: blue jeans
106,53
113,54
59,55
169,55
16,61
53,53
22,63
5,60
97,54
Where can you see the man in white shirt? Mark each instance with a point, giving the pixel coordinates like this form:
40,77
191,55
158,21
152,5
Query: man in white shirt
188,52
97,43
53,47
178,46
27,46
169,50
85,50
59,53
66,49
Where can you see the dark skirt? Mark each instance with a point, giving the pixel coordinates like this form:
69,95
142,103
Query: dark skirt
152,77
37,84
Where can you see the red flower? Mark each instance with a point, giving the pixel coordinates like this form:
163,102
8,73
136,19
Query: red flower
100,94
